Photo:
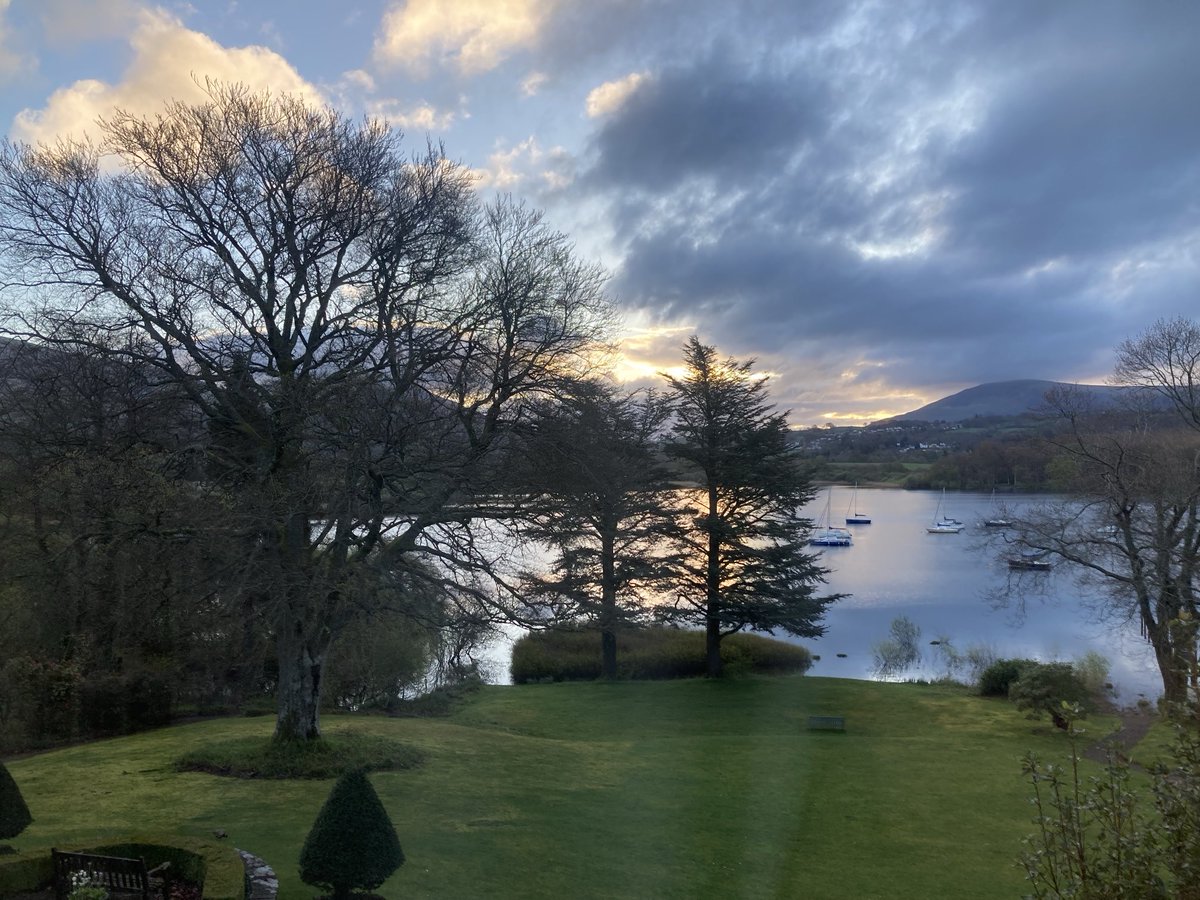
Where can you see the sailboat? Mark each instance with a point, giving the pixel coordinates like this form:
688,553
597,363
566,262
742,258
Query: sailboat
829,535
943,525
995,520
855,518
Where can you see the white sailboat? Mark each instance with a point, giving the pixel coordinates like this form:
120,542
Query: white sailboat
941,524
855,517
829,535
996,520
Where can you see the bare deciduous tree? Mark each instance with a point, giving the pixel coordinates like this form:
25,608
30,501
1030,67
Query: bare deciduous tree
1130,527
355,331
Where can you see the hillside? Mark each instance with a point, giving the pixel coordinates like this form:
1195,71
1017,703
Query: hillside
1003,398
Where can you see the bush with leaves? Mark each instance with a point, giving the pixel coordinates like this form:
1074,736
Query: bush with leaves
997,678
14,814
1050,688
352,843
1096,839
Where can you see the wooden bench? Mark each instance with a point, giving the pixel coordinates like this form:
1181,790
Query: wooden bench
116,874
826,723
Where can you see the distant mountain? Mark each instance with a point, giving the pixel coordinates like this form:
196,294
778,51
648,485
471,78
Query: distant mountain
1003,398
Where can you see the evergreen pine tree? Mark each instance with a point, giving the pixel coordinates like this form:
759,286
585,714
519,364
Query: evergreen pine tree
352,843
749,567
14,814
601,505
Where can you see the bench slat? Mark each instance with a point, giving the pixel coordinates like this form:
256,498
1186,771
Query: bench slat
115,873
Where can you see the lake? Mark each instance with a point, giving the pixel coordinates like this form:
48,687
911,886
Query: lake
946,584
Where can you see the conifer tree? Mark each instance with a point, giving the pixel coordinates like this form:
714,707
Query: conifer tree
14,814
352,843
748,567
601,504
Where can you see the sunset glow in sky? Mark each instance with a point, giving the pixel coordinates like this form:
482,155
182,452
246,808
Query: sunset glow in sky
884,202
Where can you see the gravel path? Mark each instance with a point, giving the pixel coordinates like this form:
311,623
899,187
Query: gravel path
1134,725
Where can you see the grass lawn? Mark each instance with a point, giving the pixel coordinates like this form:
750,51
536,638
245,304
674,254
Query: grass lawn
683,789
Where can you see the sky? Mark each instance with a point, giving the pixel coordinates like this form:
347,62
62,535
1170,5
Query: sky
881,202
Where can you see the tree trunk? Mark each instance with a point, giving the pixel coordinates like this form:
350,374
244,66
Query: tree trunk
608,652
298,712
712,647
608,608
1174,673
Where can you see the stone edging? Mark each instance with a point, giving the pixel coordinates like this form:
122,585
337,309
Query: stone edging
263,883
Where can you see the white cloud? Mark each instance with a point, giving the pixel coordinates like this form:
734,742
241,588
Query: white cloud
360,79
471,35
611,96
532,83
526,161
170,62
420,116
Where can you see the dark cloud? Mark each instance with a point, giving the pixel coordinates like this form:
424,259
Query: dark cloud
713,120
959,192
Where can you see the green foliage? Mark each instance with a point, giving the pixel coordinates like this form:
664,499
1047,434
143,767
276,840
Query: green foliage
900,652
1095,837
649,653
331,755
998,677
374,660
1092,840
1177,802
352,844
14,813
1092,670
1050,688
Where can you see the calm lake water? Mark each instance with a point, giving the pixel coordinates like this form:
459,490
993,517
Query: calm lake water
947,584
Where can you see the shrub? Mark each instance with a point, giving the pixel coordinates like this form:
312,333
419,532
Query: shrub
14,814
1049,688
899,652
352,843
649,653
1097,838
997,678
1092,670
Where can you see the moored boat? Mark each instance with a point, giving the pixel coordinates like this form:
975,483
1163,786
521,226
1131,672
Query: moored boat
943,524
1030,560
829,535
855,518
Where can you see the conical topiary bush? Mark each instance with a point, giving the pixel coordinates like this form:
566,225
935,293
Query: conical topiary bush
352,844
14,814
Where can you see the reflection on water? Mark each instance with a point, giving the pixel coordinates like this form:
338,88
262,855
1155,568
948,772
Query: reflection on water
946,584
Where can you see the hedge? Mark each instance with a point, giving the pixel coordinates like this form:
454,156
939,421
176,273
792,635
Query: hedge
650,653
